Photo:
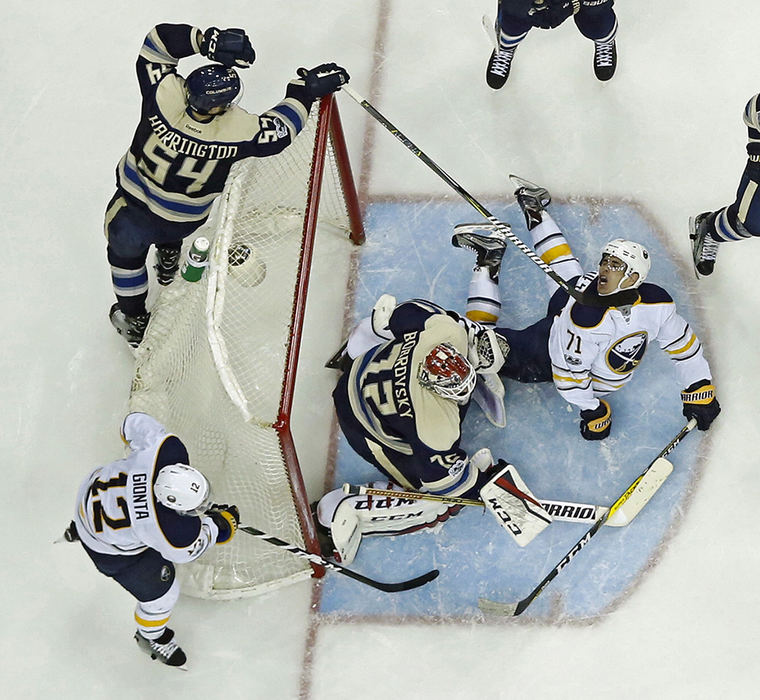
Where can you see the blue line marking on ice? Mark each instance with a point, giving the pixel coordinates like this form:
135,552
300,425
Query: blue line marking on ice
408,254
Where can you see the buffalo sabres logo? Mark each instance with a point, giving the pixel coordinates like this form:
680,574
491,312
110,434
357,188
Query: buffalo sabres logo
625,354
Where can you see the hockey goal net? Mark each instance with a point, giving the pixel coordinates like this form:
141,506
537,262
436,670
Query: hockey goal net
218,362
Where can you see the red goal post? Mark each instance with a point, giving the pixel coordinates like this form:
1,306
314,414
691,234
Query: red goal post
219,360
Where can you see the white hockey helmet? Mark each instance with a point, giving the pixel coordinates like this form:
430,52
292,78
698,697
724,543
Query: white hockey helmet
448,373
182,488
634,255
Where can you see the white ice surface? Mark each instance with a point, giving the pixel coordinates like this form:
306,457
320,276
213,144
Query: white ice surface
666,131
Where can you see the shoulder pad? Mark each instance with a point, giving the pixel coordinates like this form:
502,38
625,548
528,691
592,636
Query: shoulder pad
652,294
179,530
586,316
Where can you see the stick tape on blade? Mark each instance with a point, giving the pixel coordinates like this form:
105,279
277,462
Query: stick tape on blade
628,507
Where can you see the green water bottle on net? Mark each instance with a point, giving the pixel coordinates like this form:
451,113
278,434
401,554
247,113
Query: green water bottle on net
196,259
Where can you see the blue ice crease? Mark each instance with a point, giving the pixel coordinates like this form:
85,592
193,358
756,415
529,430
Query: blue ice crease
408,254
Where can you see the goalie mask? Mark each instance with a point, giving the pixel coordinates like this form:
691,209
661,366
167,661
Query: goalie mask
633,255
448,373
183,489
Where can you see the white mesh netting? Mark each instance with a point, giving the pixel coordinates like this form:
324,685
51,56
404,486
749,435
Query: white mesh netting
213,361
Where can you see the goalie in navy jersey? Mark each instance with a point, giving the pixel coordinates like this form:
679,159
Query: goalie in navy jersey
595,19
589,352
410,372
190,134
139,516
740,219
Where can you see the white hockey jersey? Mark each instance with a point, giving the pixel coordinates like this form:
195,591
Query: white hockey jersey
594,351
116,511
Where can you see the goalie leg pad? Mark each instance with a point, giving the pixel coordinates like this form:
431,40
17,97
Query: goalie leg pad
514,506
352,517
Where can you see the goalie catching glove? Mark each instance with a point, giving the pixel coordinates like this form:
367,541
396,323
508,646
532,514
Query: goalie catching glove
699,402
323,79
230,47
487,350
226,518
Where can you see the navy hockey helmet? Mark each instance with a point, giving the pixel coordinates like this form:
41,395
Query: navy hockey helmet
212,86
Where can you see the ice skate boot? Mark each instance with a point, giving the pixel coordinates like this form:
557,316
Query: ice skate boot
167,264
532,198
704,248
324,538
605,59
486,241
499,64
132,328
163,649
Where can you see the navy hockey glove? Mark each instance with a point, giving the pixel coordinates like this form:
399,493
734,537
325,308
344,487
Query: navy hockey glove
323,79
230,47
596,422
699,402
547,14
226,519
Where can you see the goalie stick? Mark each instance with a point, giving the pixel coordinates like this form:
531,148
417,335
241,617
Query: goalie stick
321,561
645,484
564,511
503,228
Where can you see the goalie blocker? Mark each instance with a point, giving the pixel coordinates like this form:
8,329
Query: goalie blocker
351,517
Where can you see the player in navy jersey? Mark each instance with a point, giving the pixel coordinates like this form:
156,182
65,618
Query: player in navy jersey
595,19
738,220
139,516
589,352
190,134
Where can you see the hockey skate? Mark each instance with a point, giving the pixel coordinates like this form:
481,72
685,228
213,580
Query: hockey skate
605,59
132,328
485,240
532,198
324,538
165,649
498,68
167,264
704,248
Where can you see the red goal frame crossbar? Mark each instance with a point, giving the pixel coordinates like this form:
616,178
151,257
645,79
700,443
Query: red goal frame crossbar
329,126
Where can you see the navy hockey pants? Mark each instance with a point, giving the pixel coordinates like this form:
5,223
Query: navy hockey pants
130,230
528,359
594,23
147,576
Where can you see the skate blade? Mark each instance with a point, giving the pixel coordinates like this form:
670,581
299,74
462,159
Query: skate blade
693,239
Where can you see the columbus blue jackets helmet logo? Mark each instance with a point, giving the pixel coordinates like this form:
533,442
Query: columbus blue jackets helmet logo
624,356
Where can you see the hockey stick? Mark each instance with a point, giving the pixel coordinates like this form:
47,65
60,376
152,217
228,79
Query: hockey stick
642,484
489,29
321,561
563,511
499,225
